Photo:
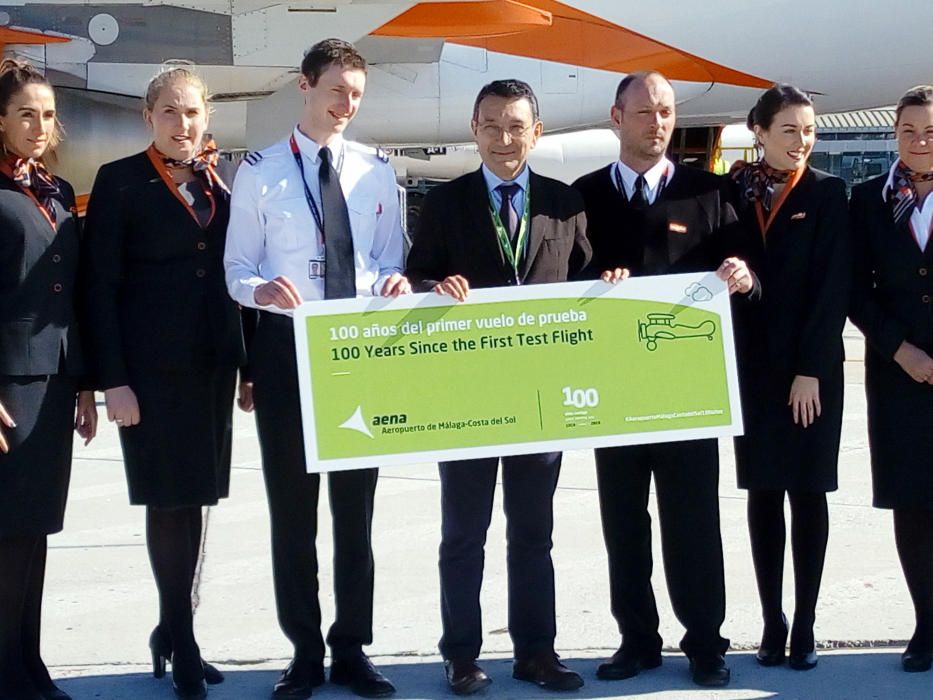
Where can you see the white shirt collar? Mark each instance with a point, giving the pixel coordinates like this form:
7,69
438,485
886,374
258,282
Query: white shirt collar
310,148
652,176
493,180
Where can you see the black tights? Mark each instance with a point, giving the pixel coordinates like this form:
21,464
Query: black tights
173,537
913,533
22,577
809,535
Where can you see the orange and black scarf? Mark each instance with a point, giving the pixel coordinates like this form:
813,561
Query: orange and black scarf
757,181
204,166
902,196
36,181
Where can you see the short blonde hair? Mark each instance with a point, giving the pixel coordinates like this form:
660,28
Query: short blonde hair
171,74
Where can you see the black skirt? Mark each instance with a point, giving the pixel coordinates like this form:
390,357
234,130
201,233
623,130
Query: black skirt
179,453
34,474
777,454
900,435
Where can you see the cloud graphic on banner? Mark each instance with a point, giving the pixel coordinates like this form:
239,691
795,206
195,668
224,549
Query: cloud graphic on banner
698,292
357,422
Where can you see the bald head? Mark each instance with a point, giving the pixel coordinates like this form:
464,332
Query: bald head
644,114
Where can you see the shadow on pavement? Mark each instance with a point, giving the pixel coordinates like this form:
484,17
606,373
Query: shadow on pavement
841,675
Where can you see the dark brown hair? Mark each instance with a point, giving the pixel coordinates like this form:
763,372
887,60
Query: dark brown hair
14,76
327,53
510,89
917,96
772,101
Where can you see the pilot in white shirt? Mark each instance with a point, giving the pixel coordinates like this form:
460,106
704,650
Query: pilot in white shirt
272,230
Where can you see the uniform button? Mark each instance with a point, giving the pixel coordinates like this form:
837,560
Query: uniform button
922,271
925,298
200,272
56,258
57,287
202,245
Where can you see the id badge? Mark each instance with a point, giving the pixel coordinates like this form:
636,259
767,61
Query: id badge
316,269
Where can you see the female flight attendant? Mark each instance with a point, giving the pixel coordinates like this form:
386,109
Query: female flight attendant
40,361
790,358
167,343
892,303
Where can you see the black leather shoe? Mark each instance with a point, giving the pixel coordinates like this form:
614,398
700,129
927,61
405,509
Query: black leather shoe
773,643
710,670
299,679
917,661
546,671
364,679
626,664
464,677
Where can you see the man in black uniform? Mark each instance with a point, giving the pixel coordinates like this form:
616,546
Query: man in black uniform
647,217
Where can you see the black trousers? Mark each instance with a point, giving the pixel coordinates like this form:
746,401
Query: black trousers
686,477
293,498
467,488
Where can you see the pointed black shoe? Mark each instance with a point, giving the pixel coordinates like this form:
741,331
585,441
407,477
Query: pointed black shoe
771,652
358,672
627,664
917,657
299,679
802,651
161,647
710,670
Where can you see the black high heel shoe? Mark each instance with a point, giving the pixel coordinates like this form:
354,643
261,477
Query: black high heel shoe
188,683
802,651
773,640
161,647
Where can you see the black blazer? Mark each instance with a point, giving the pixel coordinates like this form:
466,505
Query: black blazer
689,228
455,236
156,293
892,294
38,273
803,265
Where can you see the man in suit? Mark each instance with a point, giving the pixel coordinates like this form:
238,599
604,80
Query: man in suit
647,217
501,225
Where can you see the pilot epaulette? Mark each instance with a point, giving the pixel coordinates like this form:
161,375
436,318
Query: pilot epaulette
252,157
382,155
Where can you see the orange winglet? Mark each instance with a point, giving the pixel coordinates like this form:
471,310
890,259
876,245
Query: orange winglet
465,20
24,36
572,37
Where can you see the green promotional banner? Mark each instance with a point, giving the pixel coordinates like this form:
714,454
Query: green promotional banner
516,370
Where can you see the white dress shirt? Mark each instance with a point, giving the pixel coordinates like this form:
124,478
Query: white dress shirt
652,178
272,231
921,219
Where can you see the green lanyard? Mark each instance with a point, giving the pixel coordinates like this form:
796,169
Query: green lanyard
512,256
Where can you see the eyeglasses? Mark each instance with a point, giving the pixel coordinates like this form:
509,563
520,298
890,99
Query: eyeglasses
495,132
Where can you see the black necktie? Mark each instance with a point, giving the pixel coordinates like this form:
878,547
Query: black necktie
640,195
339,271
507,214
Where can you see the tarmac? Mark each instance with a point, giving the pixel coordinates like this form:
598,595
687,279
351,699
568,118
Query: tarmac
100,599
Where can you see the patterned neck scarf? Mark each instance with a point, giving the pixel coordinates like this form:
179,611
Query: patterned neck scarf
757,181
32,175
203,164
902,195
